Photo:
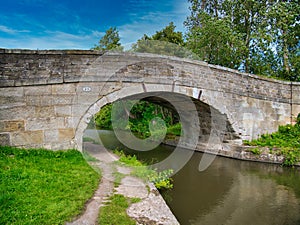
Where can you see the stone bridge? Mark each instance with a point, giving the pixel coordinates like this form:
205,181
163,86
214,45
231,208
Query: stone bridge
48,97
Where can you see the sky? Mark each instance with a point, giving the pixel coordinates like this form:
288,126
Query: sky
79,24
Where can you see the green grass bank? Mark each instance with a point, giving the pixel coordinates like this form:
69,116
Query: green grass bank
43,187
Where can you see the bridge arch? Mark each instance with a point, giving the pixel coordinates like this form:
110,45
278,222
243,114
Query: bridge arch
211,119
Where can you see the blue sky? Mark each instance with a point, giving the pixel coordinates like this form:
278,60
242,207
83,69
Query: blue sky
74,24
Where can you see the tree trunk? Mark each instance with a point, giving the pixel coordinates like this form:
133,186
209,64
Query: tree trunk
286,65
248,24
203,5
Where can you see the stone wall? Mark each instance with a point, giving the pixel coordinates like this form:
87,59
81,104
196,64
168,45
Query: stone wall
48,97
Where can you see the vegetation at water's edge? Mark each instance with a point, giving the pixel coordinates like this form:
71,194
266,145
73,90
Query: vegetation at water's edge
142,114
114,212
43,187
285,141
161,179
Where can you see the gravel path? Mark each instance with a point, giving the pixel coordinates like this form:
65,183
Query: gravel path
152,208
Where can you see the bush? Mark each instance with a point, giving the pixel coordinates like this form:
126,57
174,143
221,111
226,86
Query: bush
287,138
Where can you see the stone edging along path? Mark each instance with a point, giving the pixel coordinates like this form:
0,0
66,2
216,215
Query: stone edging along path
152,208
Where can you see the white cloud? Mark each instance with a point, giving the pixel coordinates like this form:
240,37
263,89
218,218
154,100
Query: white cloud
8,30
53,40
143,17
152,21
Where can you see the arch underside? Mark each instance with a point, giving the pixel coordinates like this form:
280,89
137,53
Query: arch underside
210,119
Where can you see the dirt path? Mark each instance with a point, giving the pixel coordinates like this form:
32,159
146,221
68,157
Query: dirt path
152,209
105,188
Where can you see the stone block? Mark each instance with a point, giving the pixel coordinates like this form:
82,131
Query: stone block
44,111
63,89
46,100
51,136
158,88
12,126
4,139
33,100
87,99
11,100
109,87
125,92
37,90
100,103
63,110
79,109
44,123
17,113
72,122
7,83
64,99
12,92
27,138
89,88
66,134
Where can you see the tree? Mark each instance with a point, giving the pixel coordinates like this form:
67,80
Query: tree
110,41
214,41
164,42
284,17
169,34
254,36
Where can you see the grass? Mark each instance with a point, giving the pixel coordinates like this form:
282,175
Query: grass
175,129
118,178
114,212
256,151
43,187
161,180
286,142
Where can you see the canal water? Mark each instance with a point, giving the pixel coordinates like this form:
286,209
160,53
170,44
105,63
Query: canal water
229,192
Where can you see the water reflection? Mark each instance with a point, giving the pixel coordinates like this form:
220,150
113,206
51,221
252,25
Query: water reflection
233,192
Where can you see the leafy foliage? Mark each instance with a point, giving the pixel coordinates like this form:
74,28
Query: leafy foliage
164,42
142,115
161,179
260,37
286,139
286,136
110,41
103,118
216,42
256,151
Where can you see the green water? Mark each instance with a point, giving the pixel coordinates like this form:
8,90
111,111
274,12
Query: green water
229,192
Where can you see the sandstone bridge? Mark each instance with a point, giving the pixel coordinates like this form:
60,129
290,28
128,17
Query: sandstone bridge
48,97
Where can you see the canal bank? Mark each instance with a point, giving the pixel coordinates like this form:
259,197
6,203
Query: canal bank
235,151
151,209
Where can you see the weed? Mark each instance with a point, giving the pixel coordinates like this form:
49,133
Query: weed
114,212
118,178
291,156
256,151
286,139
161,180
